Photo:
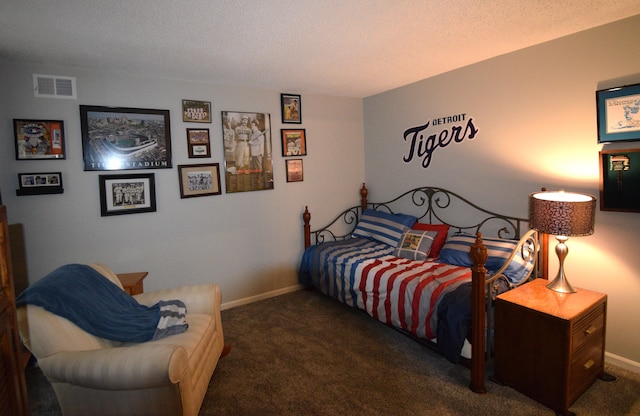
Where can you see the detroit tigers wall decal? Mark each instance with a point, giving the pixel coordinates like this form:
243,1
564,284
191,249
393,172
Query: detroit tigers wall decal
423,143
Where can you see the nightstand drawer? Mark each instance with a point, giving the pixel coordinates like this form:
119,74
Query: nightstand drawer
588,327
585,368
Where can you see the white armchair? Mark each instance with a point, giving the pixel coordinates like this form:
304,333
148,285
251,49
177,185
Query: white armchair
94,376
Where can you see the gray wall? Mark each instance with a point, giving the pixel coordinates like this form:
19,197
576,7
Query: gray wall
536,115
250,243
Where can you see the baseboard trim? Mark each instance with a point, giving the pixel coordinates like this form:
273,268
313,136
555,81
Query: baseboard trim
262,296
622,362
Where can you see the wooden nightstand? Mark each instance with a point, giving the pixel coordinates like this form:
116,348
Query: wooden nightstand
549,345
132,282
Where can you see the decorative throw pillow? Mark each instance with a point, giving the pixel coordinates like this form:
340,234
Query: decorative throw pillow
382,226
456,252
415,244
441,238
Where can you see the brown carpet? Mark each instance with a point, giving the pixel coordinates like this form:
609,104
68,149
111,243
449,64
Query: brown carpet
305,354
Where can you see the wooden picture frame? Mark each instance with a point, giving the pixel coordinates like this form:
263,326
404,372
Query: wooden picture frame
291,107
620,180
294,142
618,114
294,170
39,139
194,111
127,194
39,183
198,143
199,180
120,138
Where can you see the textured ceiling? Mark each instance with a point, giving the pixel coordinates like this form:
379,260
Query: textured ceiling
352,48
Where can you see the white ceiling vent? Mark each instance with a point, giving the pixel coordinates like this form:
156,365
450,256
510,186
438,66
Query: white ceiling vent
54,86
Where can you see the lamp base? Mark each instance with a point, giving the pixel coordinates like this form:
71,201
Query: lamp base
560,283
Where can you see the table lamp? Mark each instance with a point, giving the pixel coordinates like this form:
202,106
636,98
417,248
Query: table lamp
563,214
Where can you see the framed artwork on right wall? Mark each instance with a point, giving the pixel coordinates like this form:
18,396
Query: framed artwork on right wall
620,180
618,114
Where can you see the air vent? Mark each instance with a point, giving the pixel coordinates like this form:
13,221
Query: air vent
54,86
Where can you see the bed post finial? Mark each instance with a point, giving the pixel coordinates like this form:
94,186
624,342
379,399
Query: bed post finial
478,254
363,197
306,217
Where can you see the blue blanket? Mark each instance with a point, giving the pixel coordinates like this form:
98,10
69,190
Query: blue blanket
94,303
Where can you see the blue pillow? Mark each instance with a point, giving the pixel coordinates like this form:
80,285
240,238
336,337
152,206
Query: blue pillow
415,244
382,226
456,252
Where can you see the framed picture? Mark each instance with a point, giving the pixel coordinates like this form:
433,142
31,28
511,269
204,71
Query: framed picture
294,142
39,183
620,180
247,151
198,143
118,138
199,180
39,139
127,194
618,114
196,111
291,108
294,170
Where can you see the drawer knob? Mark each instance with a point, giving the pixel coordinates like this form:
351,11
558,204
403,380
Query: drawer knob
589,364
590,330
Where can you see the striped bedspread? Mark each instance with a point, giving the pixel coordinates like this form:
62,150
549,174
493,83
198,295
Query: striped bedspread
365,274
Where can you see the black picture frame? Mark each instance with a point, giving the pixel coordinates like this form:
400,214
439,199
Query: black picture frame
39,183
294,142
39,139
620,180
199,180
618,114
127,194
291,108
121,138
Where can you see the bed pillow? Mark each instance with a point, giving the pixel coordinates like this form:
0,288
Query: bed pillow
415,244
441,238
382,226
456,252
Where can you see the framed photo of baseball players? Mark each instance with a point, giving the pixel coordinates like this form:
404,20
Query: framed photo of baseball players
248,155
291,108
294,142
199,180
39,139
127,194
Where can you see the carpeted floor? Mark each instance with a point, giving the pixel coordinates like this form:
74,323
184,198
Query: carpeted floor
305,354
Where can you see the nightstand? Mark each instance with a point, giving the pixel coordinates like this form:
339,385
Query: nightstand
549,345
132,282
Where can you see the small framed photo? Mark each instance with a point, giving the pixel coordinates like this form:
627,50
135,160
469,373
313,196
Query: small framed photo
39,139
127,194
618,115
291,108
198,143
39,183
294,142
199,180
620,180
294,170
196,111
